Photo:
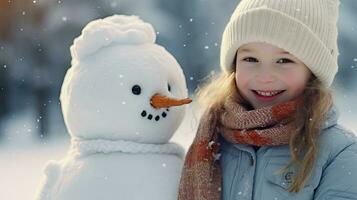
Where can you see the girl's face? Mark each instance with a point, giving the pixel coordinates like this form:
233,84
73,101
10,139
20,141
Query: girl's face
267,75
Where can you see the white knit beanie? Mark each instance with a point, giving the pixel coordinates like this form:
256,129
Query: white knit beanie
305,28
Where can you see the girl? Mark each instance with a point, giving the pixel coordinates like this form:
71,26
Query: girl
269,130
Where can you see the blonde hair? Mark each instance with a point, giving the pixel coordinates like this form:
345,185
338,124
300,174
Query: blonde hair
309,118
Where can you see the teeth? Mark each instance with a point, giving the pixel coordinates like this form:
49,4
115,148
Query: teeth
267,93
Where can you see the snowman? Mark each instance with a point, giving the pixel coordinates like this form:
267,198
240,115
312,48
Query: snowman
122,100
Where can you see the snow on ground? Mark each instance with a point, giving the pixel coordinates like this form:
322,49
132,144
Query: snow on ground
23,155
21,168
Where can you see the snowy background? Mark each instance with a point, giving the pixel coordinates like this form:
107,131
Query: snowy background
35,37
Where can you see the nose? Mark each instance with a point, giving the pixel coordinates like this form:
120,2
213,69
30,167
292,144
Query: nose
266,76
161,101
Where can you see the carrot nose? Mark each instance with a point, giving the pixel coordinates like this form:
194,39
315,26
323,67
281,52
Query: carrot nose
160,101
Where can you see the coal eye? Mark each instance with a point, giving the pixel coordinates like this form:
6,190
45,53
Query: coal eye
136,89
169,87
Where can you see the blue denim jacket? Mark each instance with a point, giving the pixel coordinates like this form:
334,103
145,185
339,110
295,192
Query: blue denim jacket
249,174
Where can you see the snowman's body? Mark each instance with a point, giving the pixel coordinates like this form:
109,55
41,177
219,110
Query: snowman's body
122,100
93,172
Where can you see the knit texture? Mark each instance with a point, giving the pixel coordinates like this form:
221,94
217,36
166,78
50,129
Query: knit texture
201,174
305,28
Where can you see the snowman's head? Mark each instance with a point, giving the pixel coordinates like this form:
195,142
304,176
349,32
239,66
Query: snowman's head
121,85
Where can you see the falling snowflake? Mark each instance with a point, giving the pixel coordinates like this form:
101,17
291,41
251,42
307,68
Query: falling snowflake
210,144
114,4
216,156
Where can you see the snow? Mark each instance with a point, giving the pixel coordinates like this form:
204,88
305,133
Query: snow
117,29
104,113
96,96
23,157
113,175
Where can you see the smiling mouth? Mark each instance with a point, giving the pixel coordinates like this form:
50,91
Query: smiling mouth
151,116
268,92
267,96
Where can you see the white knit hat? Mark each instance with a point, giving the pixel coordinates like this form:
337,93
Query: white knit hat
305,28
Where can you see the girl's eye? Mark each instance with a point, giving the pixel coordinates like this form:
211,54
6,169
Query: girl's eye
169,87
285,60
136,89
250,59
281,61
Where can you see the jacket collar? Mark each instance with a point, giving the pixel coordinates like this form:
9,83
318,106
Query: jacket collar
332,117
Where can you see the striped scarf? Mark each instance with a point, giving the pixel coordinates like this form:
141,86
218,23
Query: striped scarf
201,174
